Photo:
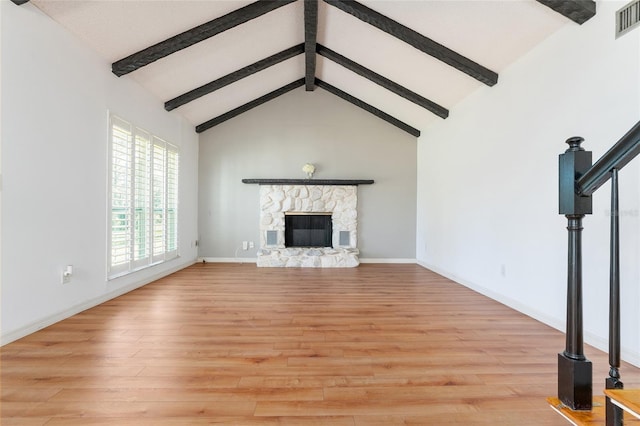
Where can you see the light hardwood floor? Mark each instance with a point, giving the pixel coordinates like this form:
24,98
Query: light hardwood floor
235,344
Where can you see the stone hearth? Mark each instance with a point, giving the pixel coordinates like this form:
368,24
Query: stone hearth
312,257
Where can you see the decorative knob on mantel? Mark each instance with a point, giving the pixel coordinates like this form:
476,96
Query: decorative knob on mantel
309,169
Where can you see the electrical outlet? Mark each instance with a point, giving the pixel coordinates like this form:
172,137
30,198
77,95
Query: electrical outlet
250,244
67,273
244,245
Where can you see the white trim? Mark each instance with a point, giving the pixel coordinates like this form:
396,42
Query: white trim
550,321
564,415
254,260
76,309
228,259
589,338
627,355
625,407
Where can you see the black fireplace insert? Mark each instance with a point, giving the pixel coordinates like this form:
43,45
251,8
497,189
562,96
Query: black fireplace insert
308,230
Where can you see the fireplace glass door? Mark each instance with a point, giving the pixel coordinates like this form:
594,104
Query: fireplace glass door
308,230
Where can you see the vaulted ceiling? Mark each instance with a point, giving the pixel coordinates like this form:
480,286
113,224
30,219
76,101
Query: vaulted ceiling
407,62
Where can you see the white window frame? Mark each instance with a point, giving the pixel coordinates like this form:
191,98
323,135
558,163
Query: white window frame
142,219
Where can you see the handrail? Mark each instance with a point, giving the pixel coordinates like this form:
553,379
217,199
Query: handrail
625,150
578,180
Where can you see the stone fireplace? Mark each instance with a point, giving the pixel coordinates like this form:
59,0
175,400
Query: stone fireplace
282,198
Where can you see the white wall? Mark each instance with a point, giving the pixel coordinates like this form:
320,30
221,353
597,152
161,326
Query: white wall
276,139
488,178
56,94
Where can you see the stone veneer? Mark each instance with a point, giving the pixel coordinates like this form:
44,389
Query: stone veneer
340,200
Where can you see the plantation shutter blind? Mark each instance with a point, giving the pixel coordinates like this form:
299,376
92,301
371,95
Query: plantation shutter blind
159,192
142,194
144,199
121,188
172,200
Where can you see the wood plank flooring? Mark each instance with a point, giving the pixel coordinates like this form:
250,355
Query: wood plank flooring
235,344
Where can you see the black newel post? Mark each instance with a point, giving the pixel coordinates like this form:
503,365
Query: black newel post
575,382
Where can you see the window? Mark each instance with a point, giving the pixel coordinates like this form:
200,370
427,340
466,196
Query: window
143,222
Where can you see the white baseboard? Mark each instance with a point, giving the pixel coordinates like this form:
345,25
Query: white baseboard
603,344
228,259
254,260
533,313
589,338
76,309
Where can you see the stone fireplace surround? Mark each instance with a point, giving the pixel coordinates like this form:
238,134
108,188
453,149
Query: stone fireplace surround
278,196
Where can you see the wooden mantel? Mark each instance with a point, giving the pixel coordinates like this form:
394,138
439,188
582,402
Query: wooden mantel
354,182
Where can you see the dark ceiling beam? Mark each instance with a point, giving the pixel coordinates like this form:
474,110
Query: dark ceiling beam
383,81
417,40
249,105
369,108
19,2
233,77
310,36
579,11
195,35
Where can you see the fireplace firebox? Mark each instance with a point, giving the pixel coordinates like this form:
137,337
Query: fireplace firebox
308,230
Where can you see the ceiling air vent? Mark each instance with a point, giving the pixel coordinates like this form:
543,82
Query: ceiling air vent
628,18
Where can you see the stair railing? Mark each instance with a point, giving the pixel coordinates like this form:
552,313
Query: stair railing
578,180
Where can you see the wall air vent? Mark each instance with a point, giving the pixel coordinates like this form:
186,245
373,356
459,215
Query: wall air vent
628,18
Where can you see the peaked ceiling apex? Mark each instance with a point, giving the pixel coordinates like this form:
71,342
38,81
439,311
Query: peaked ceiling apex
310,35
301,82
382,58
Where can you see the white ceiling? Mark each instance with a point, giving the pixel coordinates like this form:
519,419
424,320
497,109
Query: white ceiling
492,33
